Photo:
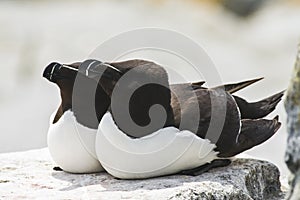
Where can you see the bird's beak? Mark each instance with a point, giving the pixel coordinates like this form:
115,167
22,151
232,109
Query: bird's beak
95,69
49,71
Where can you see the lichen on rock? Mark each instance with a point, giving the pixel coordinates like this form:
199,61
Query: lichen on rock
29,175
292,106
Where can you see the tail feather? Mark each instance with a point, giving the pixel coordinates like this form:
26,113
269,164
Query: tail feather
272,101
253,133
234,87
258,109
197,85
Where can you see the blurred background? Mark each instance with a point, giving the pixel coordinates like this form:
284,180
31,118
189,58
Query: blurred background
244,38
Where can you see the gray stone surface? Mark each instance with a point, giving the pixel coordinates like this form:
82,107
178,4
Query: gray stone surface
292,106
29,175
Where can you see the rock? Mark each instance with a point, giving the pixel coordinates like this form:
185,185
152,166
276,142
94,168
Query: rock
292,106
29,175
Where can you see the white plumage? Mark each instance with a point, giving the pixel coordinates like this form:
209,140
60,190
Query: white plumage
72,145
166,151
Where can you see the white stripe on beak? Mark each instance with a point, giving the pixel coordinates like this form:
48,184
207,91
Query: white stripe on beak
87,69
52,70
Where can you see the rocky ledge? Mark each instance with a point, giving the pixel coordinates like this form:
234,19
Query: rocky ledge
29,175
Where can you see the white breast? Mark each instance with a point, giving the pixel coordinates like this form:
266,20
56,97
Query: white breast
72,146
164,152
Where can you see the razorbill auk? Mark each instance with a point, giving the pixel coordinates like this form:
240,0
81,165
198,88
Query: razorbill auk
243,127
64,76
73,127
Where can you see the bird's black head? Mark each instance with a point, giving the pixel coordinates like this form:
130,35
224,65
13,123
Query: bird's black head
64,77
78,92
104,74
